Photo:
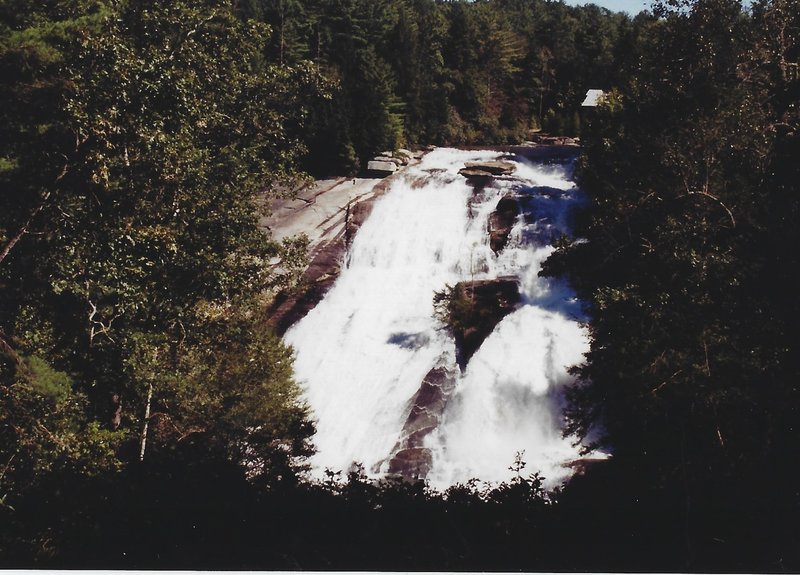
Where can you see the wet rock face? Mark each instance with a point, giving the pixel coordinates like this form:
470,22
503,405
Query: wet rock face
411,459
318,279
411,463
428,404
356,215
501,221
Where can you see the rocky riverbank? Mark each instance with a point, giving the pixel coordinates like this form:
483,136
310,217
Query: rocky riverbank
329,214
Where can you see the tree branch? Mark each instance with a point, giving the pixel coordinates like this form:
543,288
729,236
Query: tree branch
666,381
103,328
716,199
24,228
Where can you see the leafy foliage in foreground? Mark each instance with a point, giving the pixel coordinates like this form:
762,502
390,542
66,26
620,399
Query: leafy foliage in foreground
688,255
136,138
192,513
691,256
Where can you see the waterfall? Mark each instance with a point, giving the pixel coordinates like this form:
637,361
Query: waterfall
363,352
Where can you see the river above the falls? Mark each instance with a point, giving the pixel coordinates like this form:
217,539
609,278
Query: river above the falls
379,371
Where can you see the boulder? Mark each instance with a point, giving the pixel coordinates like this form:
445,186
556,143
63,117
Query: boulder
403,153
384,158
501,221
382,168
494,168
548,140
399,157
475,174
479,306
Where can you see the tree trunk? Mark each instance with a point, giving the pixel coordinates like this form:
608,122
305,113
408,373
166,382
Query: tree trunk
116,419
281,32
143,442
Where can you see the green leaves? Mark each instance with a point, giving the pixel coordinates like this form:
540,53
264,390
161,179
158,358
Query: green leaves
45,428
139,137
674,267
52,384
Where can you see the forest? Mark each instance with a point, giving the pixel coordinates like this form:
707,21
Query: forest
149,418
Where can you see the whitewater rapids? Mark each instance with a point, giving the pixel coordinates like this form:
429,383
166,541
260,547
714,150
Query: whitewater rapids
363,351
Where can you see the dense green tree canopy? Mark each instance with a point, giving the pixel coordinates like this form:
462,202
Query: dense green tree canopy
136,138
433,72
692,378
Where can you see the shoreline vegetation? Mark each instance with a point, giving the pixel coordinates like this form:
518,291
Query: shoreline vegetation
148,417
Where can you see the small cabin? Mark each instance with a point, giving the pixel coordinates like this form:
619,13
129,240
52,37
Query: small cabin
593,98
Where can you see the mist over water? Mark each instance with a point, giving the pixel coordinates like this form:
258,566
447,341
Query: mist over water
363,352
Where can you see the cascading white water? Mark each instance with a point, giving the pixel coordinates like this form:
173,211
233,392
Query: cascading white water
363,351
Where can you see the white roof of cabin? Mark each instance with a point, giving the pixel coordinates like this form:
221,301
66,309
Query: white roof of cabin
593,98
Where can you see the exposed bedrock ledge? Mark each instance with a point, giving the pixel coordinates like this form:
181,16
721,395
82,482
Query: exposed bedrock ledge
330,218
358,211
480,174
322,271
